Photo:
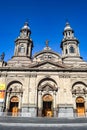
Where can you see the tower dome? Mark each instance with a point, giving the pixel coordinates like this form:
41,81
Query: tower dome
68,27
25,31
69,43
26,26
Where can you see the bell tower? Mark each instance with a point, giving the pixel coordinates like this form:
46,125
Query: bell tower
24,44
69,44
23,48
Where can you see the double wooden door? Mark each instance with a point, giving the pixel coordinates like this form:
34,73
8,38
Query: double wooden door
80,106
13,110
47,105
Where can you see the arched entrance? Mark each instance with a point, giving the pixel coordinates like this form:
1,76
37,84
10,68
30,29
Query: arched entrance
80,106
47,105
13,109
47,89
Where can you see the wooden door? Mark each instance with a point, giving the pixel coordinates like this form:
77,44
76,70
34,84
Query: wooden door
15,111
81,111
14,106
47,106
80,106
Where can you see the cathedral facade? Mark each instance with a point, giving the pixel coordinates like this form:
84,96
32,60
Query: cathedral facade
46,84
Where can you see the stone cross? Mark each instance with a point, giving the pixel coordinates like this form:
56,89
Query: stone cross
47,41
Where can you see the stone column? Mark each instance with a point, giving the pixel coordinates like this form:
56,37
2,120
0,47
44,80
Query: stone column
7,103
20,105
54,104
39,103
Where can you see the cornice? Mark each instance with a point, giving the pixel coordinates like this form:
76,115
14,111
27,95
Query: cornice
7,69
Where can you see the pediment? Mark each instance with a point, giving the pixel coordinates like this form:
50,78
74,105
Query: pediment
47,65
47,87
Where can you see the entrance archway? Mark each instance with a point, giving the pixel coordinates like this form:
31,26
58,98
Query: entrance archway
80,106
47,105
13,109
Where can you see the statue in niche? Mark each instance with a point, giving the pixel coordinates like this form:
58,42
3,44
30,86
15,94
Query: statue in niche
2,56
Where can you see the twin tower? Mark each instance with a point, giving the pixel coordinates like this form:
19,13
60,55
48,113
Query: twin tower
24,45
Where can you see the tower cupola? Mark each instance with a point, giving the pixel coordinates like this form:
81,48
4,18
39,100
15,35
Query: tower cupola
68,31
67,27
25,31
69,44
24,44
23,48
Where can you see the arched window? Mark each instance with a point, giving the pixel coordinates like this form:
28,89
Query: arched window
71,49
21,49
69,33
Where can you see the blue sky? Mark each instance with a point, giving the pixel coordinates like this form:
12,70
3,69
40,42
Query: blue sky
47,20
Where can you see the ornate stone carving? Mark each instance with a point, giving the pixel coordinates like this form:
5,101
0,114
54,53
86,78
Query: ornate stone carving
79,89
64,76
47,76
31,75
47,97
15,99
47,87
15,89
